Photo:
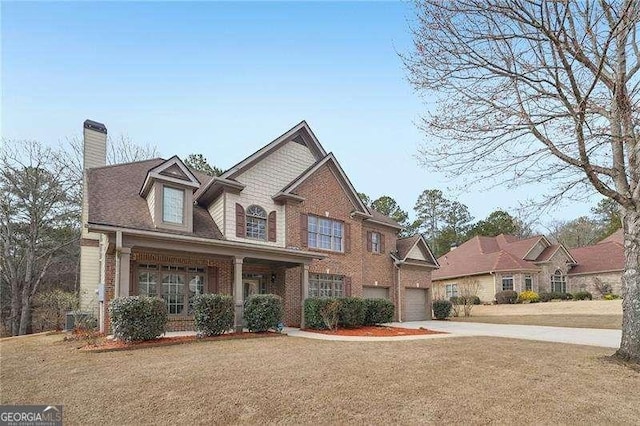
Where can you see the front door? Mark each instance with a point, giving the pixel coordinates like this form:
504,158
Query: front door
250,287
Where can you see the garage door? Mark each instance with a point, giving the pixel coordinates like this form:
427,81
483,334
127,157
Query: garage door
415,304
375,292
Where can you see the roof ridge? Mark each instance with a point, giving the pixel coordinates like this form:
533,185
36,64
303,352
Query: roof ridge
106,166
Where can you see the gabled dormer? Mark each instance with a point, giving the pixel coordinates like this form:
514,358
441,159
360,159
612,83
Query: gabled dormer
168,189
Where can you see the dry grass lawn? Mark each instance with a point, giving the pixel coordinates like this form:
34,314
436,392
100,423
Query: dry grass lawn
613,322
293,380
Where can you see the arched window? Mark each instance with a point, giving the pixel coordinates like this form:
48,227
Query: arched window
256,219
558,282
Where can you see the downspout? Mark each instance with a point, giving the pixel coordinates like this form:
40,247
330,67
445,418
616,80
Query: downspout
397,263
117,271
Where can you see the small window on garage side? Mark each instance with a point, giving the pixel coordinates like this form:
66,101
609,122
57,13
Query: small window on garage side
451,290
375,242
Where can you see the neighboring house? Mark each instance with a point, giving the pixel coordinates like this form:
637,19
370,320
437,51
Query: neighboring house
503,263
599,266
285,220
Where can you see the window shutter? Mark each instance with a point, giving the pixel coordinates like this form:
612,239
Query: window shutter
212,280
347,237
369,241
271,226
347,286
240,221
133,279
381,243
304,230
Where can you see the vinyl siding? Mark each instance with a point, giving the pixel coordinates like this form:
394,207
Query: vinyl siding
416,253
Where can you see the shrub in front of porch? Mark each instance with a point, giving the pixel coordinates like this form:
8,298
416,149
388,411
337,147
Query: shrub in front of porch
352,312
321,313
378,311
263,311
213,314
135,318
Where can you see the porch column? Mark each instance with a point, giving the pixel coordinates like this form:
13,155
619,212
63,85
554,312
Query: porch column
125,270
237,292
305,291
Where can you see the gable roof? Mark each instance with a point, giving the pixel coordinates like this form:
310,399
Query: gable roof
330,161
503,253
300,133
605,256
171,170
406,244
114,199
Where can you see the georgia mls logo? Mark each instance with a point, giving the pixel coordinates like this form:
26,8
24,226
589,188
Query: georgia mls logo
26,415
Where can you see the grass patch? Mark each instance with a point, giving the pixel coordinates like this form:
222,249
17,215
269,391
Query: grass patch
294,380
612,322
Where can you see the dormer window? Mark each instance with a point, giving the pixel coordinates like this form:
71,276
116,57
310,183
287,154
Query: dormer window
256,220
172,205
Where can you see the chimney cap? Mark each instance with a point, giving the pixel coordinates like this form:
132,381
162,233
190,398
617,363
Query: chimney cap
94,125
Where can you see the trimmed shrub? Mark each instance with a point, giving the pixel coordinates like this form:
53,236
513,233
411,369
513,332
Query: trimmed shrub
507,297
528,296
611,296
441,309
263,311
352,312
378,311
554,295
461,300
582,295
213,314
137,317
317,307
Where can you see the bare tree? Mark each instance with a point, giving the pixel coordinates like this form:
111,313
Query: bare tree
539,91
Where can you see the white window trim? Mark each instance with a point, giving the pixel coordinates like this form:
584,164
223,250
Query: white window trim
332,237
183,214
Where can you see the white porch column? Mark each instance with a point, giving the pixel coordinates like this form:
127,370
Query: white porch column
125,271
238,293
305,291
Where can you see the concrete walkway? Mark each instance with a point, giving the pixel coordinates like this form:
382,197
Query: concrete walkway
577,336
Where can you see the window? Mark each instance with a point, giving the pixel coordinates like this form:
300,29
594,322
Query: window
375,242
507,282
172,205
176,285
326,285
451,290
325,233
558,282
256,219
528,282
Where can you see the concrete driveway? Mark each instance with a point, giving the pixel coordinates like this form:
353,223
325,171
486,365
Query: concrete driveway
578,336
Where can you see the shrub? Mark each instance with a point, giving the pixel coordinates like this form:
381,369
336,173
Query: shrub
611,296
50,309
507,297
554,295
213,314
378,311
352,312
461,300
441,309
263,311
316,307
528,296
137,317
582,295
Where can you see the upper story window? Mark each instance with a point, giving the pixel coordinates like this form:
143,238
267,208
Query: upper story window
558,282
256,220
326,234
507,282
375,242
172,205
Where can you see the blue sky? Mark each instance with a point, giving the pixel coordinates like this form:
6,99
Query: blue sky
223,79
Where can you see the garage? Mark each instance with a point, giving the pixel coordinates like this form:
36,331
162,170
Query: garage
415,304
375,292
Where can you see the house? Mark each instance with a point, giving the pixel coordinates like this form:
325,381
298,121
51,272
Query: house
501,263
284,220
599,266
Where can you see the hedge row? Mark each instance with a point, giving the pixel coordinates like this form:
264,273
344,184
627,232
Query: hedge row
348,312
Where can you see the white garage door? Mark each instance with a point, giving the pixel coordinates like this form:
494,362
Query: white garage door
375,292
415,304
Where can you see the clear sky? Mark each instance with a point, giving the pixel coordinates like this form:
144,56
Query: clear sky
223,79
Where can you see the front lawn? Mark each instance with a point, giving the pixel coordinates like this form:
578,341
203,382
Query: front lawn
295,380
612,322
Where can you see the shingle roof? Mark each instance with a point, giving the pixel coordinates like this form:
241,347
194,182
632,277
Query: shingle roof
405,244
114,199
607,255
481,255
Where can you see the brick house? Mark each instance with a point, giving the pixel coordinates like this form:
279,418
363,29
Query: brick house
285,220
599,266
503,263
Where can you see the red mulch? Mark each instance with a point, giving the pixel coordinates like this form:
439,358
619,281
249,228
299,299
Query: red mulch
377,331
109,345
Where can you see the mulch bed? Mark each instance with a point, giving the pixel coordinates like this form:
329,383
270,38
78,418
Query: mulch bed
376,331
110,345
